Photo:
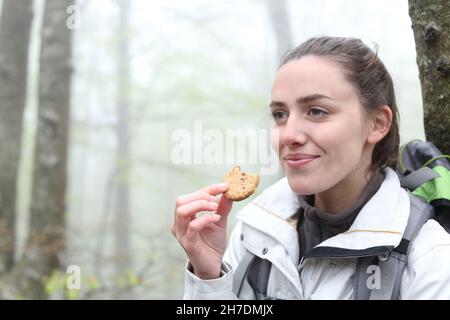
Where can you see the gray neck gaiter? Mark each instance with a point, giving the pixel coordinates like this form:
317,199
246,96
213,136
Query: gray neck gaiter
315,226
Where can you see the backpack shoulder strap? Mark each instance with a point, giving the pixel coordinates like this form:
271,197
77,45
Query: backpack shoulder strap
241,272
415,179
258,277
361,289
256,271
391,269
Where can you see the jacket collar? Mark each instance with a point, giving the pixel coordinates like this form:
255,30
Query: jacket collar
380,223
269,213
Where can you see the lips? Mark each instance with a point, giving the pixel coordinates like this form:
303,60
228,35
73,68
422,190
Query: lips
299,160
300,156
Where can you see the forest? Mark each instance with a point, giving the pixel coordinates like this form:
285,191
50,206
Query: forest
98,96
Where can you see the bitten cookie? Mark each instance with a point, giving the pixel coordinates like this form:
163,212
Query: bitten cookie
241,184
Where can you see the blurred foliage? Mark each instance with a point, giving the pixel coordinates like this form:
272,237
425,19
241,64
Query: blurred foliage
56,286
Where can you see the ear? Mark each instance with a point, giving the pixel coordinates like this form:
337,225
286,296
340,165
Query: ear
380,124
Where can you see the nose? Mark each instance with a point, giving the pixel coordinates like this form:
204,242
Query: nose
292,133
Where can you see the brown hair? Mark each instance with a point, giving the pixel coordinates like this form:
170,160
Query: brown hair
368,74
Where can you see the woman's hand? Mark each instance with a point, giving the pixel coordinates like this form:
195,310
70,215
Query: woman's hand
203,238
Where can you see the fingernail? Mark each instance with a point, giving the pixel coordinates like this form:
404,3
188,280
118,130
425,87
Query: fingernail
223,185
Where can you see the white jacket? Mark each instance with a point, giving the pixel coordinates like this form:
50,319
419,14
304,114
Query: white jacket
263,228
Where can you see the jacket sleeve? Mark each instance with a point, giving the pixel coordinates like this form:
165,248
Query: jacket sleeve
221,288
427,275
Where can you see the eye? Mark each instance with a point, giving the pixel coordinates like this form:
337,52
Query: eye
279,115
316,112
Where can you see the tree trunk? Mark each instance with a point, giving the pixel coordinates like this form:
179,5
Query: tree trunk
15,30
122,209
430,23
46,239
279,17
281,25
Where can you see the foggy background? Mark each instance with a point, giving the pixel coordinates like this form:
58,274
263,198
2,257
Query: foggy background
172,63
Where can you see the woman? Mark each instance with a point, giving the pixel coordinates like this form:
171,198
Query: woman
333,103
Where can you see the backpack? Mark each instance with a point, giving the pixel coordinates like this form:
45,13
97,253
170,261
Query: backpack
425,172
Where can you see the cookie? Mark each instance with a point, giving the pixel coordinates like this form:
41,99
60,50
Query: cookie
241,184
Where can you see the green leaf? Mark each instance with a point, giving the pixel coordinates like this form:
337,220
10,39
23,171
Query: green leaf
53,282
121,281
92,283
72,294
133,280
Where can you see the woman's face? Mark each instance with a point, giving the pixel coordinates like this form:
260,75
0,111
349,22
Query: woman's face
322,130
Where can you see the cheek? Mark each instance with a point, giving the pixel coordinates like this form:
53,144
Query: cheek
343,142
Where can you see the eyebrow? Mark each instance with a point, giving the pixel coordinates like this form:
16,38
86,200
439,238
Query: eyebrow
301,100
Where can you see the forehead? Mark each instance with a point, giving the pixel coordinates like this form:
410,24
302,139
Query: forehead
311,75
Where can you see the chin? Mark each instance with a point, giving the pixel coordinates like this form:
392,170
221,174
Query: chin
301,186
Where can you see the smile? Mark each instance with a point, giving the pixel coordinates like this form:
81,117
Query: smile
299,161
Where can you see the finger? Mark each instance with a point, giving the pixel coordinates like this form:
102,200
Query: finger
192,208
194,228
199,195
224,208
185,199
186,213
216,189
